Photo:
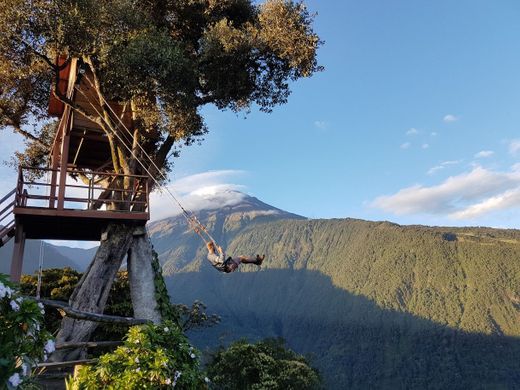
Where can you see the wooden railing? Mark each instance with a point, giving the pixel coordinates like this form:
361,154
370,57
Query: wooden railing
119,193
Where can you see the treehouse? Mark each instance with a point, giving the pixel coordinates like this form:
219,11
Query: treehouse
80,193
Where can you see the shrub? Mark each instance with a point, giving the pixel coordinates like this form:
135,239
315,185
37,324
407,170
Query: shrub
264,365
23,343
152,357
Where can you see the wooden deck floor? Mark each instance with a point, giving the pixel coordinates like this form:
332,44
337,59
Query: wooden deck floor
81,225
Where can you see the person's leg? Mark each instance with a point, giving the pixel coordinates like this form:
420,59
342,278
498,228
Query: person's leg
251,260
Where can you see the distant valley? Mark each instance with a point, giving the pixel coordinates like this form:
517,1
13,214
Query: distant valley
373,304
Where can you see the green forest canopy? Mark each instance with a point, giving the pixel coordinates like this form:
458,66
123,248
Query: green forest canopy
164,58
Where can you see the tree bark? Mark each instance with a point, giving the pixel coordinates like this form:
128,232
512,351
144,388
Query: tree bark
92,291
141,277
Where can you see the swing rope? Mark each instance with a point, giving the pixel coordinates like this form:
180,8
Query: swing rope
192,220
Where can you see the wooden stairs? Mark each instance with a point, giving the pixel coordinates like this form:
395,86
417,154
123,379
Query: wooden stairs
7,223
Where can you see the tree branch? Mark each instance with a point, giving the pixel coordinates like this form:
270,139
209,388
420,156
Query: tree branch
26,134
88,344
81,315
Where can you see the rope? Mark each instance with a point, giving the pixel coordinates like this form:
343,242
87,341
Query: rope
192,220
189,216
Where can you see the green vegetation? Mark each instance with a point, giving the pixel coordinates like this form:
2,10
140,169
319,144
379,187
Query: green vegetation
264,365
152,357
23,340
58,284
373,303
164,59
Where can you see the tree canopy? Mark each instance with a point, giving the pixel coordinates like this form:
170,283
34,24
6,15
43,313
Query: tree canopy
268,364
164,58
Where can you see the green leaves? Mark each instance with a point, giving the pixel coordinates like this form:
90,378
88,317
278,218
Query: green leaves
152,357
23,342
165,59
264,365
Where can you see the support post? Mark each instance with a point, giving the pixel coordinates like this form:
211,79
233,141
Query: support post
54,175
63,170
18,250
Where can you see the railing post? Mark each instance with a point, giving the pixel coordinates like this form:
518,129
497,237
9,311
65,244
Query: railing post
63,171
90,194
19,187
147,198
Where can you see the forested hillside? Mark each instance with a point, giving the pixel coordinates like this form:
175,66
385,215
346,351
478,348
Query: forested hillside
53,257
373,304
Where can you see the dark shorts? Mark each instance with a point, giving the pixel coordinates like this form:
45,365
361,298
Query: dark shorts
227,266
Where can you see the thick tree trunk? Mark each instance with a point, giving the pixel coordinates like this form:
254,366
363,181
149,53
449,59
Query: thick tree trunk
92,291
141,277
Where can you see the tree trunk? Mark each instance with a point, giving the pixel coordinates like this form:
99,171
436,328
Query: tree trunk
142,279
92,291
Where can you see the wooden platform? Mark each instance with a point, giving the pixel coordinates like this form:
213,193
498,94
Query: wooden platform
79,225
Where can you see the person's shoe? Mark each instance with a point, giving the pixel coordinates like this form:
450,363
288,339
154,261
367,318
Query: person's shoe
259,259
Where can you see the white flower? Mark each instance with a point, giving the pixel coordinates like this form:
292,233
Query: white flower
176,377
166,329
15,306
206,379
137,369
15,379
49,346
193,356
42,311
40,305
168,381
5,291
45,357
137,341
136,360
25,369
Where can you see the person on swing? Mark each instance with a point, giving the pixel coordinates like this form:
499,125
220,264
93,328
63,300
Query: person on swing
217,258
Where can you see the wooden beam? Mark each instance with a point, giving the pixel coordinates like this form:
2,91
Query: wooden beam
97,214
66,364
95,317
18,250
89,344
63,172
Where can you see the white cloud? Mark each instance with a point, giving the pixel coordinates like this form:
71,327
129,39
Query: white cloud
442,165
412,131
450,118
465,196
506,200
322,125
514,146
406,145
484,154
425,146
207,190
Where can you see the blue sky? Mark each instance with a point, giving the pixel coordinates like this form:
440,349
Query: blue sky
415,119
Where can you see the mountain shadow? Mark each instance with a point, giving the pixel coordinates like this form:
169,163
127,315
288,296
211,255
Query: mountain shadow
355,343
